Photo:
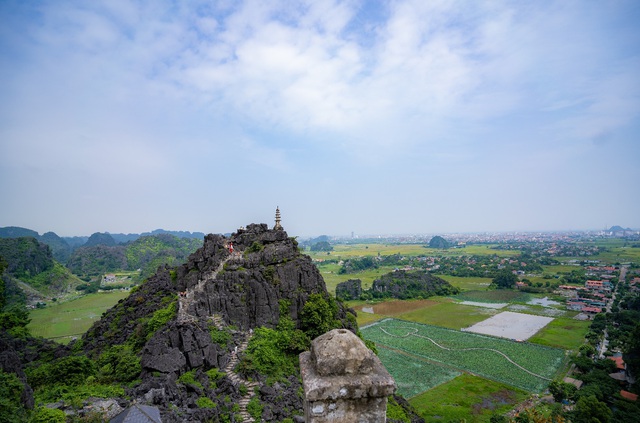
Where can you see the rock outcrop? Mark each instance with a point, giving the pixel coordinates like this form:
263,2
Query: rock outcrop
349,290
405,285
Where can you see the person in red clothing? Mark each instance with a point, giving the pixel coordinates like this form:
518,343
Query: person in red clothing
231,247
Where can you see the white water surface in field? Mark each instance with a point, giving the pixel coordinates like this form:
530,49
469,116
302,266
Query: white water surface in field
486,305
511,325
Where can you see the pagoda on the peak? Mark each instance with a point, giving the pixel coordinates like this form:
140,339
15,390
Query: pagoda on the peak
277,225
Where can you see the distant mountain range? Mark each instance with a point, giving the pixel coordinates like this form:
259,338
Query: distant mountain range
63,247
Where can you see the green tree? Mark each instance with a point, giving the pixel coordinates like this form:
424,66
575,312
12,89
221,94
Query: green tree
632,351
11,388
505,280
587,350
590,410
14,319
48,415
72,370
562,390
318,315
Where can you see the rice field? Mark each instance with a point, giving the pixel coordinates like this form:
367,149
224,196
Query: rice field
523,365
64,321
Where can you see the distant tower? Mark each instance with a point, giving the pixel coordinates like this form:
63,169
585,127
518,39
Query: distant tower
277,225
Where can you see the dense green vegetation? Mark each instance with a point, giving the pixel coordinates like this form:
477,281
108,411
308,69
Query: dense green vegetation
11,409
25,256
505,280
274,352
407,285
146,253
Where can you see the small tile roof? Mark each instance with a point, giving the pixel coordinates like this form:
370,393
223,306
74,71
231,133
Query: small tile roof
138,413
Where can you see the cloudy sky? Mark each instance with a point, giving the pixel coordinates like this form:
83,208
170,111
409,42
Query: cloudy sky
366,116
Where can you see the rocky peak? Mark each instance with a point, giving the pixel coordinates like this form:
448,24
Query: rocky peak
244,285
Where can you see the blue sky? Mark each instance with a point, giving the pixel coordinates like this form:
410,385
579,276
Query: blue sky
386,117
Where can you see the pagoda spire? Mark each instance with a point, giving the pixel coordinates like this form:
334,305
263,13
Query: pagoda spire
277,225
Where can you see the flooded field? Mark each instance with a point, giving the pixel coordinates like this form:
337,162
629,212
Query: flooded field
393,308
511,325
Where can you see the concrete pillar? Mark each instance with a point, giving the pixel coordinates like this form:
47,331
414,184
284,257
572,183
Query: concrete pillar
344,381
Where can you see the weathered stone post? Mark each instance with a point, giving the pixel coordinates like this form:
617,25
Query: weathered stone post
344,381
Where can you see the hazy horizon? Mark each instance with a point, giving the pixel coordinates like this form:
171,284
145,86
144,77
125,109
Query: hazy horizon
351,116
345,235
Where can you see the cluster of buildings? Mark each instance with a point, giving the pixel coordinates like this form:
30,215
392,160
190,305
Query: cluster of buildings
590,299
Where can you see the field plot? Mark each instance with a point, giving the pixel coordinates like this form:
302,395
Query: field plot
523,365
448,314
64,321
563,333
467,398
413,375
511,325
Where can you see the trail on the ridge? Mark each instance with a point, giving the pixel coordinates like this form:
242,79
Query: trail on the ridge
186,299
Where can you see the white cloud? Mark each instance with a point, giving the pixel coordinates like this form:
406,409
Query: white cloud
432,85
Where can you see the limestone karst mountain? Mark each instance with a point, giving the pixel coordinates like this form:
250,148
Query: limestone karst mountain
214,339
227,292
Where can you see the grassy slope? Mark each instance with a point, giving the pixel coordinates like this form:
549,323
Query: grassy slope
66,320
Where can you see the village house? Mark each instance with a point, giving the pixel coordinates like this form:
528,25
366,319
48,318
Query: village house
109,278
598,286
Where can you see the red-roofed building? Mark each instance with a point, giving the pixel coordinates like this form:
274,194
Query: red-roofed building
573,287
628,395
589,309
619,362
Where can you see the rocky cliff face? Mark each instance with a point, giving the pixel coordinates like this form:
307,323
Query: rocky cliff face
227,288
264,268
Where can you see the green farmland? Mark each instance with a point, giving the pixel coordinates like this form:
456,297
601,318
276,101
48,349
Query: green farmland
529,367
64,321
563,333
467,398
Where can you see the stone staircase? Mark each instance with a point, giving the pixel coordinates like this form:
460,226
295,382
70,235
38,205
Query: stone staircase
237,380
186,299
